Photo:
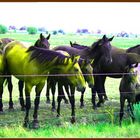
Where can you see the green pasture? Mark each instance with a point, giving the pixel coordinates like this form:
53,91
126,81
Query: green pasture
90,123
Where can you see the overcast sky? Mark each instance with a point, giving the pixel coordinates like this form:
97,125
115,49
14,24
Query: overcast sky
109,17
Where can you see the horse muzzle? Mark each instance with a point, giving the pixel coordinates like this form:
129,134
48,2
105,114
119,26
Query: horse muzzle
81,89
90,85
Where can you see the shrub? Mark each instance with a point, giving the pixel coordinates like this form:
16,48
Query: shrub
32,30
3,29
54,32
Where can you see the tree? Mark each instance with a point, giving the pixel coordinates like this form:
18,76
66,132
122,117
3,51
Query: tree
3,29
32,30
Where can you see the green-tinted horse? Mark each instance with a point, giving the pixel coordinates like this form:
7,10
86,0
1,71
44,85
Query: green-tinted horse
2,78
42,42
29,65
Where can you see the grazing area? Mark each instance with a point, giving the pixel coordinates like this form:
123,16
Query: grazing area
103,122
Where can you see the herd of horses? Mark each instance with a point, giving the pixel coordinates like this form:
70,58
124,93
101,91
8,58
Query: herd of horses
69,66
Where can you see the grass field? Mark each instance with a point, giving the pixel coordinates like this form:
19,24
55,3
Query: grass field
89,123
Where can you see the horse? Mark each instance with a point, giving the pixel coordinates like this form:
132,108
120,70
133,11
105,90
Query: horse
120,59
99,50
52,80
129,90
31,63
42,42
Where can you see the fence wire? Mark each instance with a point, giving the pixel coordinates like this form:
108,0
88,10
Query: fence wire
103,112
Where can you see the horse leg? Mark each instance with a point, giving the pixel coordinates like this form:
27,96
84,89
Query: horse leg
21,99
10,88
65,99
104,92
28,89
53,85
59,99
122,101
72,104
38,90
82,99
1,92
48,91
130,109
67,91
93,91
100,89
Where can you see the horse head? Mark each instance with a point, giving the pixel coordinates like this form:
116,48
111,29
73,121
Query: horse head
102,48
43,42
76,77
87,70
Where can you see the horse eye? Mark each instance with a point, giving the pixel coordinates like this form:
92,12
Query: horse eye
76,70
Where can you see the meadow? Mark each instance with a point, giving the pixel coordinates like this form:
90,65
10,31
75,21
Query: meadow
90,123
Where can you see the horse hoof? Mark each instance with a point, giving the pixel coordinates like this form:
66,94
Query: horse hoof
1,111
53,109
66,102
106,99
81,106
94,107
26,125
48,102
73,120
58,116
11,109
35,124
22,108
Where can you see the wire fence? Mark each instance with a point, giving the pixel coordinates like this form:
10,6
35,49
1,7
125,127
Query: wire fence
103,112
69,74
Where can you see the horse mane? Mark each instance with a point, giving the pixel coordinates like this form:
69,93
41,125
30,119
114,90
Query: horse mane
78,46
132,48
43,55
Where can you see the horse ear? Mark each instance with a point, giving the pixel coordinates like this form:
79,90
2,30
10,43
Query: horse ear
71,44
135,65
91,61
110,39
41,36
48,37
75,59
104,37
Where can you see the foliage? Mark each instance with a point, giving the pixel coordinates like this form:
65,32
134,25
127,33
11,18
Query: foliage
32,30
3,29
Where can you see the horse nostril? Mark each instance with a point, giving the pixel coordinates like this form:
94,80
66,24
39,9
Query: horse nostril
90,85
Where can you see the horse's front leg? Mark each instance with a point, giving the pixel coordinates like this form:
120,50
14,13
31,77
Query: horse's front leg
48,91
60,97
28,89
72,103
82,99
1,92
38,90
53,87
100,89
21,99
122,101
10,88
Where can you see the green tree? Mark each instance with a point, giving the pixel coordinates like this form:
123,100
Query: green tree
32,30
3,29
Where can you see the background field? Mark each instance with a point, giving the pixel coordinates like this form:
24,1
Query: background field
89,123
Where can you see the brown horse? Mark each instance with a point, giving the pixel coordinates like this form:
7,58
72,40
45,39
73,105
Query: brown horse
100,51
129,90
120,59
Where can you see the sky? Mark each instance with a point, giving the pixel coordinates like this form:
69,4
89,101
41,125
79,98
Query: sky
70,16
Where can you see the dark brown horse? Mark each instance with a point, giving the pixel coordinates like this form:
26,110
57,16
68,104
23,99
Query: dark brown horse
120,59
129,90
100,51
